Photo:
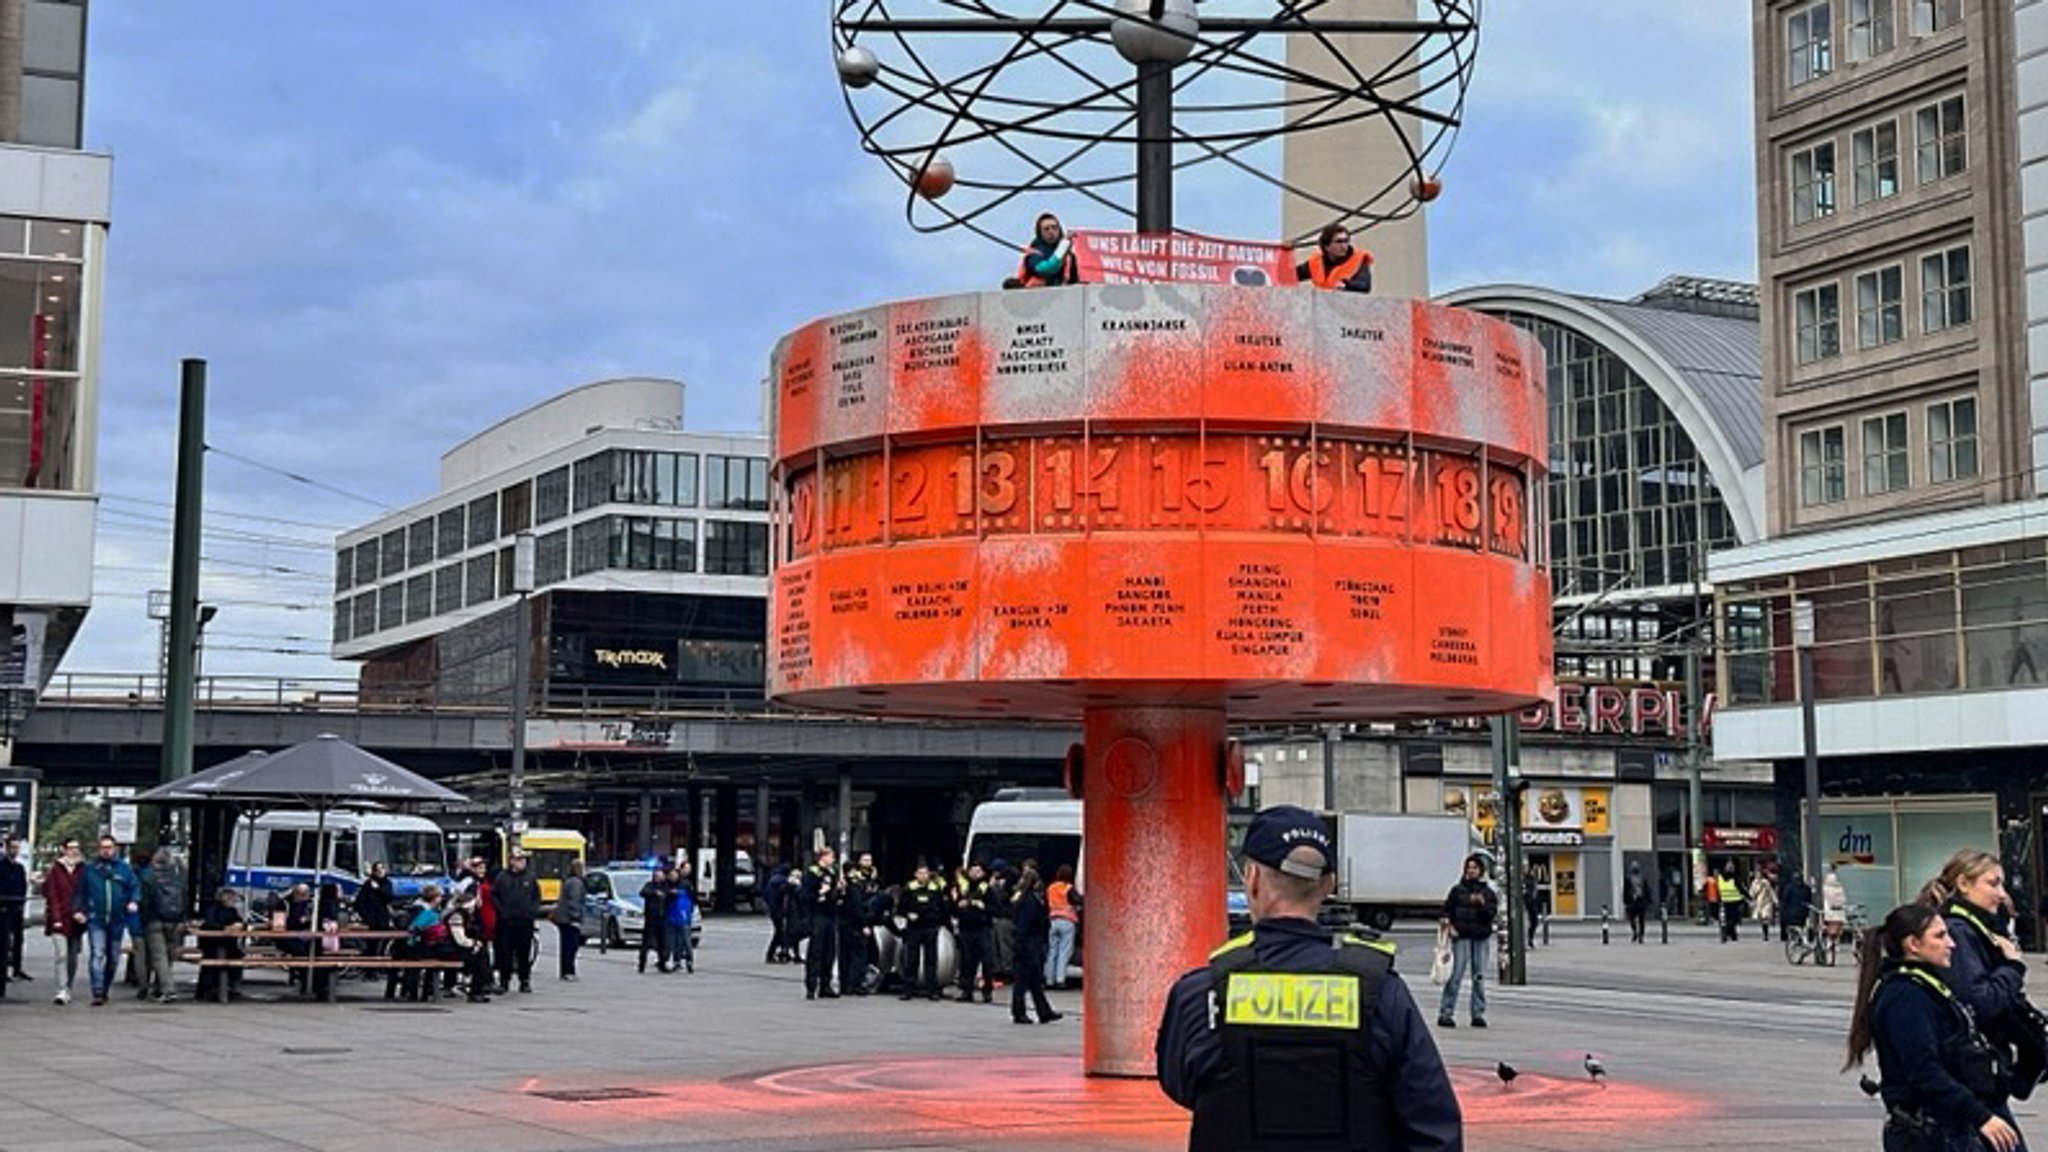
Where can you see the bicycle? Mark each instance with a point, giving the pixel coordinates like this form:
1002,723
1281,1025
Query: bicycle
1810,941
1803,943
1855,923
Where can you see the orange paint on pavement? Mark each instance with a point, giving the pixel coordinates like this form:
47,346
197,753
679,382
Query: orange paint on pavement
991,1102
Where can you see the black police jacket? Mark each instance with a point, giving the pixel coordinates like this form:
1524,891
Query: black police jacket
820,893
1422,1111
924,905
970,905
1993,989
1933,1062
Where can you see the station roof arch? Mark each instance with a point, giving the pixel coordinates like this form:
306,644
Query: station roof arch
1697,344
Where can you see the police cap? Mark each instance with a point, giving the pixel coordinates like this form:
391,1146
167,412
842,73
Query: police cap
1279,830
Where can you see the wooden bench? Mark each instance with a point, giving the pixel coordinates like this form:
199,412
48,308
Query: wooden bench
287,963
267,955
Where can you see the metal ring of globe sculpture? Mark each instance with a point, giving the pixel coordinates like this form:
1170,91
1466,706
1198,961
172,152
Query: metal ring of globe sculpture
1157,508
974,104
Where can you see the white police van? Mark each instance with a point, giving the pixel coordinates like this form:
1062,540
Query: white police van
279,849
1044,824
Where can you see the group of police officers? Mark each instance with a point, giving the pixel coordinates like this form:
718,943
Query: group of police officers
834,912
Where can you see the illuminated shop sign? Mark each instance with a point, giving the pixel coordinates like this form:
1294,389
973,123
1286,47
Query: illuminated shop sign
631,658
1582,709
1715,838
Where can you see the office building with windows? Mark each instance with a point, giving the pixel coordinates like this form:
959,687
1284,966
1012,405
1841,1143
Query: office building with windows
1656,458
1902,155
54,214
650,548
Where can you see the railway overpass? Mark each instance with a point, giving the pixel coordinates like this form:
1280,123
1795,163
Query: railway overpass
612,764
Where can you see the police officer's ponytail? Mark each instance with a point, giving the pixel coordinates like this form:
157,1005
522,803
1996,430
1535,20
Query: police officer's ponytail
1887,942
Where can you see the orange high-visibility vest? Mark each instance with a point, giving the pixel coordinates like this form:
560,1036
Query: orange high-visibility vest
1070,270
1335,277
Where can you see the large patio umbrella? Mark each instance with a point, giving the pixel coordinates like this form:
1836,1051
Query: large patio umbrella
323,774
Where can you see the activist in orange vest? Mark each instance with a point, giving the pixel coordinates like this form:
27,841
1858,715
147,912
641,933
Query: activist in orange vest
1336,265
1049,260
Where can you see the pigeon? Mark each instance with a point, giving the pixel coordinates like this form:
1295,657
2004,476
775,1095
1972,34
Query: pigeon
1506,1072
1870,1087
1595,1068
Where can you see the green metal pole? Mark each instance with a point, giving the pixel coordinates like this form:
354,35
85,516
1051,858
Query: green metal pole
180,687
1507,754
1695,824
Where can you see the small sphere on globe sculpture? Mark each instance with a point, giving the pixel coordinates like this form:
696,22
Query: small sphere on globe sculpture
1142,40
858,67
1426,189
935,179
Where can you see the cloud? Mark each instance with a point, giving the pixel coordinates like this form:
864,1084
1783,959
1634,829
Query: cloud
658,125
389,226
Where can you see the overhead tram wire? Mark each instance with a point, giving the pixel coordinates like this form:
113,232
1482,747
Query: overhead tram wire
142,524
299,478
227,602
229,514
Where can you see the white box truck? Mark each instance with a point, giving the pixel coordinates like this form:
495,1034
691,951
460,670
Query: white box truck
1390,864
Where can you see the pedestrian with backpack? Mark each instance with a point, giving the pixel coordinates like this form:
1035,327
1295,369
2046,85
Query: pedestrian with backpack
163,923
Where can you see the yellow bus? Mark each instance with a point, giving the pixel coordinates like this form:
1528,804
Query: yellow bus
548,853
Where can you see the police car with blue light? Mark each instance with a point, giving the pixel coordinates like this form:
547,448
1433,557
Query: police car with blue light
612,910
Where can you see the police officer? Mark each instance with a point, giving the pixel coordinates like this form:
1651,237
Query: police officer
819,900
856,937
924,911
1942,1085
972,925
1339,1053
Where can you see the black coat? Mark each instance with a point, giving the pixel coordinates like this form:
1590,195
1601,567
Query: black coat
654,897
13,882
373,902
1034,923
515,896
1635,895
1471,907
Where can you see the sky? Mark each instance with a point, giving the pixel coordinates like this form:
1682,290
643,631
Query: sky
388,226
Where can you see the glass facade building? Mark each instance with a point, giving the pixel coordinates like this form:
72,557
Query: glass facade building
613,510
650,564
55,204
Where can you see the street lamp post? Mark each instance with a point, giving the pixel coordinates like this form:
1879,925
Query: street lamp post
522,660
1802,643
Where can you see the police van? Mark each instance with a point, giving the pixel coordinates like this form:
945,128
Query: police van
1044,824
279,849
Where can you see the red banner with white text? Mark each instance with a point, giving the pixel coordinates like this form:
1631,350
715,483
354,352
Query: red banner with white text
1148,258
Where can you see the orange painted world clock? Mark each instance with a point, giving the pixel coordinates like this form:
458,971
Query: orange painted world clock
1284,504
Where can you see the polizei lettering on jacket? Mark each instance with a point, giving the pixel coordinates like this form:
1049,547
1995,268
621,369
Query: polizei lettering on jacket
1292,999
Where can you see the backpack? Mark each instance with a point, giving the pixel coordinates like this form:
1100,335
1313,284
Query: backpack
167,891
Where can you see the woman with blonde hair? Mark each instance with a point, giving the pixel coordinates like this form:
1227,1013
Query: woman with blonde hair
1986,971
